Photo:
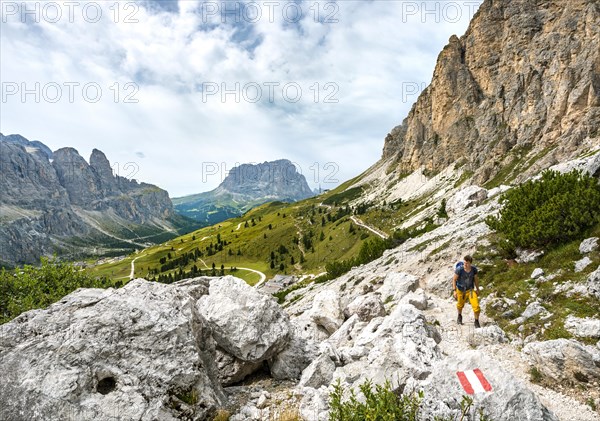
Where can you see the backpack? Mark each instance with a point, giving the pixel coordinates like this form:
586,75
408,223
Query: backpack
459,265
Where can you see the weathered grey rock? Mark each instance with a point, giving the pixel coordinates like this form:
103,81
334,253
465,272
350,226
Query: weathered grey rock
538,272
564,360
326,311
533,309
248,413
299,353
343,335
488,335
97,354
580,265
528,256
308,329
593,283
233,370
246,323
262,400
509,399
366,307
583,327
396,285
465,198
588,245
588,165
314,405
417,298
318,373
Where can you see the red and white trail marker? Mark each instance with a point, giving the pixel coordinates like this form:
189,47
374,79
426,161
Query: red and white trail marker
473,381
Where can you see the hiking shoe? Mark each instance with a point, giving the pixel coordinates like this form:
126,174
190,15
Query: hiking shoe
477,325
459,320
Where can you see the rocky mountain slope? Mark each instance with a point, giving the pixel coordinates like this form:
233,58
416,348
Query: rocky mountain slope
58,205
245,187
519,91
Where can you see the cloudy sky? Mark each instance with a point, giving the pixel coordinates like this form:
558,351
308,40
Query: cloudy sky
175,93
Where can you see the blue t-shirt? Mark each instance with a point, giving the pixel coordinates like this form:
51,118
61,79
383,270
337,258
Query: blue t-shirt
466,280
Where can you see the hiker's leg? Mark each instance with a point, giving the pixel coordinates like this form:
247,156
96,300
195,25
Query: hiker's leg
474,300
460,300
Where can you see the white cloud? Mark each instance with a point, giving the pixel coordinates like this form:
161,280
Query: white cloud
376,51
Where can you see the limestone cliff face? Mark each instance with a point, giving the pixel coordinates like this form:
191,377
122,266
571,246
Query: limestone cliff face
524,77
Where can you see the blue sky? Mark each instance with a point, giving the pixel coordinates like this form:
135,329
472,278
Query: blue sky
179,89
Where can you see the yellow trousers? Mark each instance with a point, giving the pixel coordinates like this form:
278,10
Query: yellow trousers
462,299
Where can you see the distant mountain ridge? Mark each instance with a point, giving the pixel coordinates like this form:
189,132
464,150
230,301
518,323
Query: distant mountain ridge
246,186
64,205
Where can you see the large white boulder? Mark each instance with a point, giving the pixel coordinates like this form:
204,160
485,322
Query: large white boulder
132,353
246,323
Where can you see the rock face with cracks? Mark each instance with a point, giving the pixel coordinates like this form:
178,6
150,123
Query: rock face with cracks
246,323
136,353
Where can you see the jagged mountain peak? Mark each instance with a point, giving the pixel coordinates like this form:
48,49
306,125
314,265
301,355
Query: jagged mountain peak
246,186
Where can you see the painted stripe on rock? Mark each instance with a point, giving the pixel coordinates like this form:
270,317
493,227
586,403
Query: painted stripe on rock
473,381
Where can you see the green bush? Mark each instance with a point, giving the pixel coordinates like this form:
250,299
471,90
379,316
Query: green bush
33,287
550,211
381,404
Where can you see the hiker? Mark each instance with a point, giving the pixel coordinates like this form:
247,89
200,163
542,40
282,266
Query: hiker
466,285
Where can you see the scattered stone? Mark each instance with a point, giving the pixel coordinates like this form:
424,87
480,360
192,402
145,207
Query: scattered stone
366,307
488,335
588,245
417,299
569,288
528,256
583,328
593,285
326,311
580,265
396,285
262,400
564,360
318,373
532,310
538,272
